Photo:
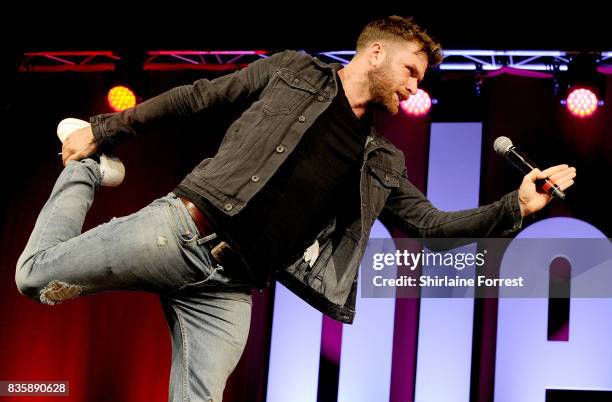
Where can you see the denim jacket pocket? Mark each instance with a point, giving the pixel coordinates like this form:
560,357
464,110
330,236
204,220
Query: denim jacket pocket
386,177
286,92
382,182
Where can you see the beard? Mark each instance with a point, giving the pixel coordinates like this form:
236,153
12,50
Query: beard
382,91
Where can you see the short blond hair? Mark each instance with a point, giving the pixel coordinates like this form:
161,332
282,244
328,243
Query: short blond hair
396,28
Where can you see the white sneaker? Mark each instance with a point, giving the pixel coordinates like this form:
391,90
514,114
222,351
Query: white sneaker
111,167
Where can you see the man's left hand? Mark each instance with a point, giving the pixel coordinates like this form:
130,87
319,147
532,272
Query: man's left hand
532,198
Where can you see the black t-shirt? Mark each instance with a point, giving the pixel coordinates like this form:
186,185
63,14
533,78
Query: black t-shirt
319,179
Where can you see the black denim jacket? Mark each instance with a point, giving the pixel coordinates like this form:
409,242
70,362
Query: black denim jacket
286,93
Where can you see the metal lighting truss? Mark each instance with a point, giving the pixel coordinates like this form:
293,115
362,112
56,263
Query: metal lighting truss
82,61
216,60
220,60
489,60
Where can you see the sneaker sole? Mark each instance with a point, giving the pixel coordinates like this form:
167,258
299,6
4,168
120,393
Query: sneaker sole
111,167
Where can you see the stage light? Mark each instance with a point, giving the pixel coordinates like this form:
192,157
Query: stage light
582,102
585,87
417,105
120,98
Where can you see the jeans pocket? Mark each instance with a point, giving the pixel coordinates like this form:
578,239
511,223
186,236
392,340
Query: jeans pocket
182,223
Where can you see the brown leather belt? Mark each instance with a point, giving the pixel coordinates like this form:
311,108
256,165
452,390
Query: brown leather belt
220,250
204,227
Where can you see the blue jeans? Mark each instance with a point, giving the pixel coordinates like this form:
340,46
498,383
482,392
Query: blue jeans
156,249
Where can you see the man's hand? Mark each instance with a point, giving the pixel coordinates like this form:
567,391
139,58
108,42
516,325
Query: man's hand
532,198
80,144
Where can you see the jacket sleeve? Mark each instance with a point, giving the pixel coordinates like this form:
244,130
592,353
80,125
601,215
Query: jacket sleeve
409,210
184,101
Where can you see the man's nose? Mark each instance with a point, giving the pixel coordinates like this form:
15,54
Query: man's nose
412,86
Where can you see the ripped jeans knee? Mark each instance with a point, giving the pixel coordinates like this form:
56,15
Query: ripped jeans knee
40,288
57,291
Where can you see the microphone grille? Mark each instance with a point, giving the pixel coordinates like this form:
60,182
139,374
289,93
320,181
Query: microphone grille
502,145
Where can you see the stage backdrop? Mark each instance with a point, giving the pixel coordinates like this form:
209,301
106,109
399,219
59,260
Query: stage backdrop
115,346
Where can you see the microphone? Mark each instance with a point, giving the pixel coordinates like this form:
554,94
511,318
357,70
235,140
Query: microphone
504,147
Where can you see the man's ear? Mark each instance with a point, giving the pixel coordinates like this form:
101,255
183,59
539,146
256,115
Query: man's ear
377,53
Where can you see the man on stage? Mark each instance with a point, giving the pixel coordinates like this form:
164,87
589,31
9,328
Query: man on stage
291,194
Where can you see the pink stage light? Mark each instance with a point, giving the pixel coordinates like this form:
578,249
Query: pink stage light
582,102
